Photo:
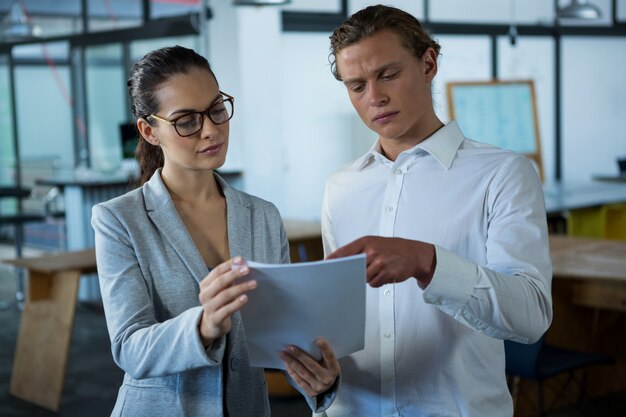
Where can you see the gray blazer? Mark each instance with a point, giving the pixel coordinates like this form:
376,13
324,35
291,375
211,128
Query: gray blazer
149,270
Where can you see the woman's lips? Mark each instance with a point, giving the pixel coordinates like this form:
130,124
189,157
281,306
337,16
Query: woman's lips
210,150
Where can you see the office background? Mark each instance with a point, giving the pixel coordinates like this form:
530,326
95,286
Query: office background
61,102
63,98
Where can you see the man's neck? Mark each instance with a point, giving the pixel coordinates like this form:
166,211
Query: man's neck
391,148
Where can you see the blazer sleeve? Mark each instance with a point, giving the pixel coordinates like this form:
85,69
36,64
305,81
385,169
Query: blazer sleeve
142,346
285,257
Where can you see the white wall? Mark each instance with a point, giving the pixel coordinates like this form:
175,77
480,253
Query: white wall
462,58
533,58
294,125
320,130
594,106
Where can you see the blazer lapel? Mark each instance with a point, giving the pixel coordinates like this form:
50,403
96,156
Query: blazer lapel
162,212
239,221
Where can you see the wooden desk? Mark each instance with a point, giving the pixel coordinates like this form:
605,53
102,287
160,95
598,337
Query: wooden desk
589,301
596,267
46,325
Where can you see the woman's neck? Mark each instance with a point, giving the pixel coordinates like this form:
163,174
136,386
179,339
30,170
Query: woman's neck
191,186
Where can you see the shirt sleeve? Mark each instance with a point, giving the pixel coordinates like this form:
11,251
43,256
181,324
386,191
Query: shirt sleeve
142,346
508,297
328,240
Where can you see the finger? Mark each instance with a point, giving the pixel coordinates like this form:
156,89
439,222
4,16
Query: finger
228,310
230,265
328,355
310,369
300,373
351,248
219,283
306,387
374,268
306,360
225,296
226,266
378,280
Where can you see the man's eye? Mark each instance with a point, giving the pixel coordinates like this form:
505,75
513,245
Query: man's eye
391,76
357,88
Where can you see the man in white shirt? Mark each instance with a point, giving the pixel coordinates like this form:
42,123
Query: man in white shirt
454,231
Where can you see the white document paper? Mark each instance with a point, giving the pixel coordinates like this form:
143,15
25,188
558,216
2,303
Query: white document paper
294,304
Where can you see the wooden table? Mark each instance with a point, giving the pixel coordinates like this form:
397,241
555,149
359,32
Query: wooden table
596,267
46,325
589,301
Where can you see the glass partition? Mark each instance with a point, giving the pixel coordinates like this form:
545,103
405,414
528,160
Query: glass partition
7,151
113,14
43,109
139,48
106,105
161,8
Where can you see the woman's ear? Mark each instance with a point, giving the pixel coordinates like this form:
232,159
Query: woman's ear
147,131
429,60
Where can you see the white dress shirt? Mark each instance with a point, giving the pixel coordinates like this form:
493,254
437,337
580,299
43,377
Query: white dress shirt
439,351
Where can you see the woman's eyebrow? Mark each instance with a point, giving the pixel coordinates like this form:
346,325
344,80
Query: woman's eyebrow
185,111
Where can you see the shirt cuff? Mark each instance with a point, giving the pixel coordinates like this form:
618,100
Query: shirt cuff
324,400
453,282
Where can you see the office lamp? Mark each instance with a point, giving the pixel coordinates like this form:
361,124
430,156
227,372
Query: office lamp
16,25
579,9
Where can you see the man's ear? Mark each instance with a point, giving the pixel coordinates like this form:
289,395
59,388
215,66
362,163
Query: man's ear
429,61
147,131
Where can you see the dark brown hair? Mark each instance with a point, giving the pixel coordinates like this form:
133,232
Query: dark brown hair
146,76
374,19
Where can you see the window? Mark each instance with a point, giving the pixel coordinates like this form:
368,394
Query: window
43,106
106,105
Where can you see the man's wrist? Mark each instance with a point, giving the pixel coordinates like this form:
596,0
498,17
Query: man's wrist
427,267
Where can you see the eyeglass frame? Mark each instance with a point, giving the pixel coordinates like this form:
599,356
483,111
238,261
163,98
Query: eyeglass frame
205,112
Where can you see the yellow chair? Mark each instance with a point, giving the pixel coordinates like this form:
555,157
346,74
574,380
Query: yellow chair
607,222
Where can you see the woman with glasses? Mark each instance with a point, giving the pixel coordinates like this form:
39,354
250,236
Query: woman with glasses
170,289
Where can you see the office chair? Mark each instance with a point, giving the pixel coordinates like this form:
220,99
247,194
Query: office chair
540,361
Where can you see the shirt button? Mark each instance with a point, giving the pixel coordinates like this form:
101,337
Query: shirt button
398,171
387,335
234,364
387,292
390,208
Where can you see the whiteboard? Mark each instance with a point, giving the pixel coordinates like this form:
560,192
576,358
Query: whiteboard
502,113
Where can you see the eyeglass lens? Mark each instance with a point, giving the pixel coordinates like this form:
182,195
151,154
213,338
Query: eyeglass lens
191,123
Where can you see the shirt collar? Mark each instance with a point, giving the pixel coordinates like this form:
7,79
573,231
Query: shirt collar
443,145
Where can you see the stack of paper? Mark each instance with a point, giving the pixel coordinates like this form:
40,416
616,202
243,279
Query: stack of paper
294,304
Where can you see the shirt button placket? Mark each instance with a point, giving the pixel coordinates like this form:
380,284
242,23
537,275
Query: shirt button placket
386,300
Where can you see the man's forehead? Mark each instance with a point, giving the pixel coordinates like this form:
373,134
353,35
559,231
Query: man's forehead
384,45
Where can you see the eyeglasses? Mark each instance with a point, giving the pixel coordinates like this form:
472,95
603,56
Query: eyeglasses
191,123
